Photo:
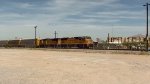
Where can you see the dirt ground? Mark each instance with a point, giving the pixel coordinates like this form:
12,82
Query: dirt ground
25,66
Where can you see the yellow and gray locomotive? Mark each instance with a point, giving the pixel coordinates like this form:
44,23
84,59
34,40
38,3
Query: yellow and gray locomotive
73,42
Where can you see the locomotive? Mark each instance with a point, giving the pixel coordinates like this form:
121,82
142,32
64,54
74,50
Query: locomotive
72,42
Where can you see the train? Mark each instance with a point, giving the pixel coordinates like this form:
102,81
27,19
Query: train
67,42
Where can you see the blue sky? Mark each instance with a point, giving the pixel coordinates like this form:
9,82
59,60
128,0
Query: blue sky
95,18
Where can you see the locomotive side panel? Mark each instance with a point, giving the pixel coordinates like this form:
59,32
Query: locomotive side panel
51,42
77,42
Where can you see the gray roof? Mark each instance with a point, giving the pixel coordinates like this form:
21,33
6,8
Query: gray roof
138,35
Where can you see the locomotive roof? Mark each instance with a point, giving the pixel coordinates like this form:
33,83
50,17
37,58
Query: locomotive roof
80,37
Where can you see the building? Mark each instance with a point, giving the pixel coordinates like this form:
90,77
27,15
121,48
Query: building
115,40
131,39
135,38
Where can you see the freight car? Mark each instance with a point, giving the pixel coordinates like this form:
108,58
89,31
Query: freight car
13,43
20,43
3,43
29,43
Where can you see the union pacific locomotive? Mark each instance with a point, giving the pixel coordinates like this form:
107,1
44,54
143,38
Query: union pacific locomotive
73,42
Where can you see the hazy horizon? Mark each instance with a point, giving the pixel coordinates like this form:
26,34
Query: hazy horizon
71,18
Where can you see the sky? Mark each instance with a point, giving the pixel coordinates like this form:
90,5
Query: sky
71,18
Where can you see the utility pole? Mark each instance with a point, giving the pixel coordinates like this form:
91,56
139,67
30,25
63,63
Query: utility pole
108,38
55,34
35,36
147,4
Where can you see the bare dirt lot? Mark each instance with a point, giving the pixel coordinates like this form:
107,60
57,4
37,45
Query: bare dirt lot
25,66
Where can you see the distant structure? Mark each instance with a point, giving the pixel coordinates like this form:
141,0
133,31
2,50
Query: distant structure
130,39
98,40
115,40
18,38
135,38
